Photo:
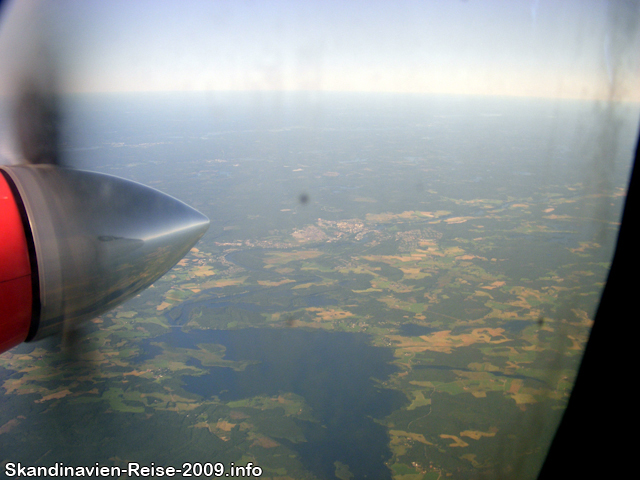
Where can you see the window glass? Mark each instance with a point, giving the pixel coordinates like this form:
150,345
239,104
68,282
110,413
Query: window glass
413,208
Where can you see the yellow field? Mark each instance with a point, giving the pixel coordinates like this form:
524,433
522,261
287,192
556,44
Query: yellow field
329,314
281,258
457,442
477,435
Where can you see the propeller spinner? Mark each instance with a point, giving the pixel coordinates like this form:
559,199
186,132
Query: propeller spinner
91,240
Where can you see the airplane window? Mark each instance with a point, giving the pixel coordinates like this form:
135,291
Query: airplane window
413,207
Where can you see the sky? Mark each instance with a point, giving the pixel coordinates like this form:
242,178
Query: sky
540,48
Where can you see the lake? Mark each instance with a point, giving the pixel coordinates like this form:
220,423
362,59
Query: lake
337,374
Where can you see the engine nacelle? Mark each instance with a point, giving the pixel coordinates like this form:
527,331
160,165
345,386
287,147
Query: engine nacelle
74,244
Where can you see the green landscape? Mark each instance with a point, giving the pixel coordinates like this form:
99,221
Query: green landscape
437,334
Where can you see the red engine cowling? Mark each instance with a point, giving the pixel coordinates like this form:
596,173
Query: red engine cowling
15,271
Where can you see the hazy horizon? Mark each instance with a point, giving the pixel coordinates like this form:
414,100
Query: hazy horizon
523,48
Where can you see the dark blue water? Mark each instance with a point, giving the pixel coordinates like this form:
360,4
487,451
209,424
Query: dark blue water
516,326
334,372
180,314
